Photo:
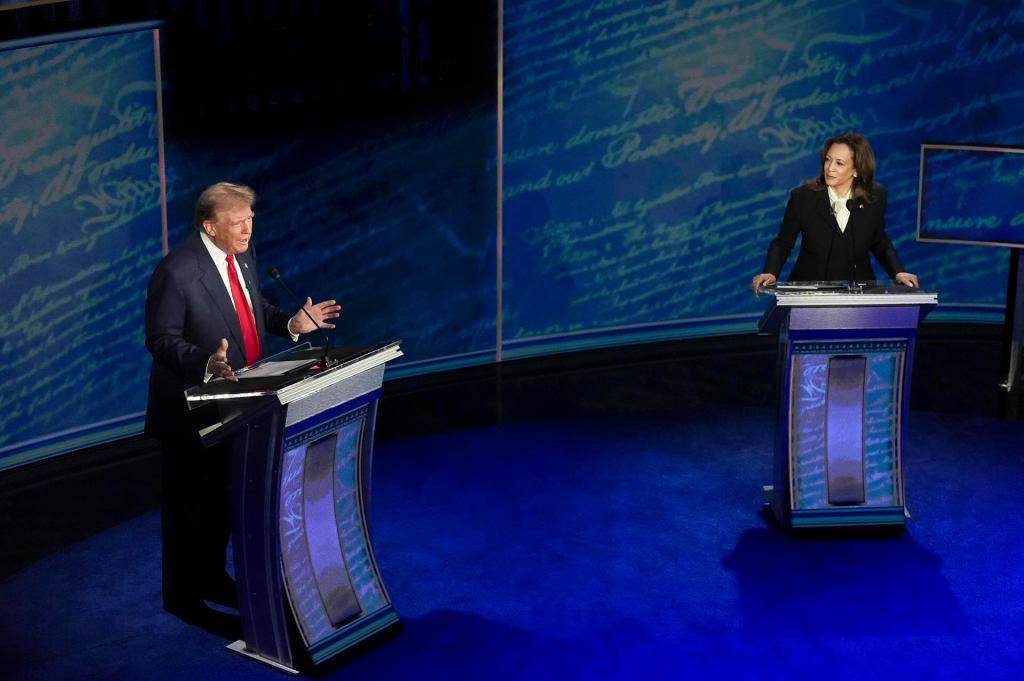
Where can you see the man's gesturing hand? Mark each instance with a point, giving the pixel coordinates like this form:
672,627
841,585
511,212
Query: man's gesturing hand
218,363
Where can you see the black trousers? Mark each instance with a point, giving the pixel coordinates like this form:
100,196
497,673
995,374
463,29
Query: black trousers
195,518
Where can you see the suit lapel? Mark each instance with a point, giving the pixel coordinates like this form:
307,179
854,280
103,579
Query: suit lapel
857,214
824,207
211,280
249,279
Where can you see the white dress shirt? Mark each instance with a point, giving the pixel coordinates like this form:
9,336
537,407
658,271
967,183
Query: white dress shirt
839,208
219,259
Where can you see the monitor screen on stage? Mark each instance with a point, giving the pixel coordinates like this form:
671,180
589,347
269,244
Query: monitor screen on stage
971,194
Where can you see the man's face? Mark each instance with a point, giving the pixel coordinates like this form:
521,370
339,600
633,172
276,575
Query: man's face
231,227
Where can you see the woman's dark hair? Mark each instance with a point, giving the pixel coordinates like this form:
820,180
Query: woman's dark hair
863,163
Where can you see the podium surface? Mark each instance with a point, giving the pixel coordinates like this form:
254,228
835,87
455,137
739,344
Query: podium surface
844,364
301,427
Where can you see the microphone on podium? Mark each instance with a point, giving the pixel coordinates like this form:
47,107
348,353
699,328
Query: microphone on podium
275,274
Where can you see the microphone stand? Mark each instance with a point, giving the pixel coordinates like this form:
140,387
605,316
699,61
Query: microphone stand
326,359
852,285
855,283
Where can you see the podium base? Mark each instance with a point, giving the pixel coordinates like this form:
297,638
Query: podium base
839,516
239,647
848,517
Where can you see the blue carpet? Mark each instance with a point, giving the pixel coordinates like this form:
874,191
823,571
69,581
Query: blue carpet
614,548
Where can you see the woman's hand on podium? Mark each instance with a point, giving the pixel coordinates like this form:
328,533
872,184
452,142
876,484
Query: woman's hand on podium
907,279
763,279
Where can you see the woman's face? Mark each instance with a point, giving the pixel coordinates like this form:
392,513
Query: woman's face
839,171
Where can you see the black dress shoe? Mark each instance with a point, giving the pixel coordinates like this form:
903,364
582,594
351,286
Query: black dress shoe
203,616
222,591
190,612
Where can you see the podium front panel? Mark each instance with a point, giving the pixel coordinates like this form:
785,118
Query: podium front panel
844,376
822,425
308,582
332,582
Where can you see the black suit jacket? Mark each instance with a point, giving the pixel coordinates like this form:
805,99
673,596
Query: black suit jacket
188,311
826,253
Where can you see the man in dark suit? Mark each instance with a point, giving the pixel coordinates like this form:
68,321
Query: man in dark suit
205,317
840,217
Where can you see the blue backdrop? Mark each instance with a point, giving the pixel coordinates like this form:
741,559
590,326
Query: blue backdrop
647,153
650,149
397,222
81,227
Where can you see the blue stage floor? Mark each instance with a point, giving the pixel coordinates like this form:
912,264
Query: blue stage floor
628,547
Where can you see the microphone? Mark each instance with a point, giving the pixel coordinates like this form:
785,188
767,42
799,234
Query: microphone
275,274
851,204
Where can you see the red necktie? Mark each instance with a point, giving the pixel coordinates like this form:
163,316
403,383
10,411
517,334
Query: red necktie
245,318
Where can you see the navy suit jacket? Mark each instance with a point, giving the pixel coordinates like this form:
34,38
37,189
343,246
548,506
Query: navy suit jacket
826,252
188,311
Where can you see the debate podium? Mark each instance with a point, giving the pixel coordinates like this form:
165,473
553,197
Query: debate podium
844,364
302,445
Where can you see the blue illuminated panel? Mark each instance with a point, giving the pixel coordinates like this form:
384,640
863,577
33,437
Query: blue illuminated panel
807,446
972,194
323,584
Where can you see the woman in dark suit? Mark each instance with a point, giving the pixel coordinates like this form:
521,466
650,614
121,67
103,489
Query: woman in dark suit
840,217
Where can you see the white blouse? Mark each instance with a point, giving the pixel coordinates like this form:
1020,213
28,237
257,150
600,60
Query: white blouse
839,208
